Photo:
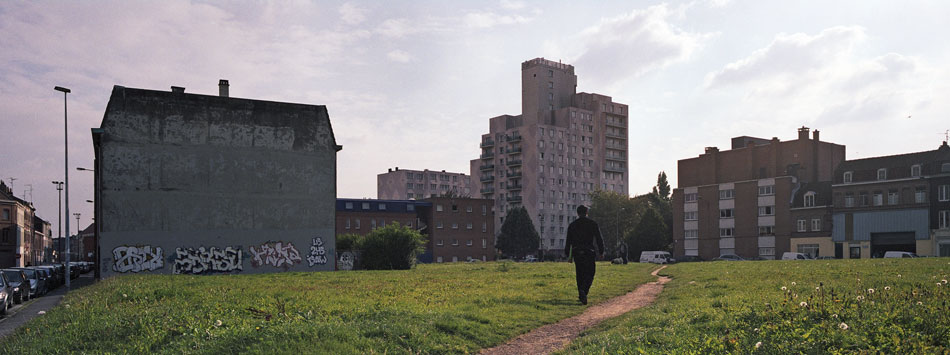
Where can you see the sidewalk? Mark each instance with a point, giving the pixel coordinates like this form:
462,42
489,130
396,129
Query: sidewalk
21,314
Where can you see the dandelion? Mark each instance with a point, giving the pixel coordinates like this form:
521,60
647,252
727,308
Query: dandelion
755,330
859,298
784,288
944,281
887,288
803,304
817,288
757,345
939,284
218,323
843,326
834,315
124,295
870,290
793,283
898,275
919,303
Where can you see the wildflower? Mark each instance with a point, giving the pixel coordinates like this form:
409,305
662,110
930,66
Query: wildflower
803,304
859,298
870,290
757,345
793,283
817,288
898,275
755,330
784,288
843,326
834,315
939,284
919,303
944,281
887,288
124,295
218,323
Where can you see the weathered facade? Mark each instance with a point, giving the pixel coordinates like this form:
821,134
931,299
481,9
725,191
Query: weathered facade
25,239
419,184
195,184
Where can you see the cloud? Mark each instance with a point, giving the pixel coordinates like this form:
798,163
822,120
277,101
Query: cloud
352,14
491,19
512,4
625,47
399,56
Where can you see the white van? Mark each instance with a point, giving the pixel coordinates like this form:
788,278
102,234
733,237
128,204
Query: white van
795,256
899,254
656,257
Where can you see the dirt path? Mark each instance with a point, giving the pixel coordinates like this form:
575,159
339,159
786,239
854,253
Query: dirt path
553,337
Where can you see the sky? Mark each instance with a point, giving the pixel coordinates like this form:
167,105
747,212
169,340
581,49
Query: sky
412,84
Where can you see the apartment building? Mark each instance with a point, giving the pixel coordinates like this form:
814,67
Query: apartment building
25,239
811,214
563,146
461,229
396,184
741,201
893,203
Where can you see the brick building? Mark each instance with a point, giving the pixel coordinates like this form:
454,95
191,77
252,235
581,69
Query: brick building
563,146
893,203
740,201
419,184
811,217
25,239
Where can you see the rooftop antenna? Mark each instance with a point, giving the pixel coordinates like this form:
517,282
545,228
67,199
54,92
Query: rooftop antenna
12,179
30,191
946,135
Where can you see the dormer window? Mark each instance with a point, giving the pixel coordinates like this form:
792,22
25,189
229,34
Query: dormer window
882,174
915,170
810,199
847,177
945,168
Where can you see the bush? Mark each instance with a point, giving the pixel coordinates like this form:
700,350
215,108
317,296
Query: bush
349,241
393,247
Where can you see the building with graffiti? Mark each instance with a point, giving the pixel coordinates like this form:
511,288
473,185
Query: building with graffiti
198,184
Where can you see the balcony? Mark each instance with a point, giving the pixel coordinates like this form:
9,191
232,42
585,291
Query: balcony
615,135
512,174
514,150
513,162
487,178
513,138
512,186
614,169
616,123
487,190
514,199
486,167
488,143
615,157
488,155
616,146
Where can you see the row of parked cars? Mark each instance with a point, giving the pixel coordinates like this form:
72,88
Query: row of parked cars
20,284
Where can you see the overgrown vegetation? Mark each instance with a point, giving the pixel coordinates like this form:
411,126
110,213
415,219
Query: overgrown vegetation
393,247
890,306
443,308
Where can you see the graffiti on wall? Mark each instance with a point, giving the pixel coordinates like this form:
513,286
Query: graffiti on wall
201,260
137,258
318,254
347,259
277,254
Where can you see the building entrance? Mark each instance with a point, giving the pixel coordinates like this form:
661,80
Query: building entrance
895,241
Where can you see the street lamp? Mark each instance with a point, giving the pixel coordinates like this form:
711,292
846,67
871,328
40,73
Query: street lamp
65,92
59,187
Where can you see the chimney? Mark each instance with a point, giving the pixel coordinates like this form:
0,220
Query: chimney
815,135
712,150
803,133
389,170
223,87
178,89
397,168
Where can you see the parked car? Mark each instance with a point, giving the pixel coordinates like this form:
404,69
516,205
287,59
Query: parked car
687,258
795,256
36,285
6,295
729,257
530,259
656,257
825,258
20,284
55,280
899,254
46,279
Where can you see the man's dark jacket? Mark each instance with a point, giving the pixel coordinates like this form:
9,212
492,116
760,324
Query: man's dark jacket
582,234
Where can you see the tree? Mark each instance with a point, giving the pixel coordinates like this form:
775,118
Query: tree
518,236
393,247
650,234
662,188
616,214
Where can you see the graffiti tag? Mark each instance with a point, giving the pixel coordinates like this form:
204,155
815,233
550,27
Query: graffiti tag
277,254
137,258
347,259
201,260
318,254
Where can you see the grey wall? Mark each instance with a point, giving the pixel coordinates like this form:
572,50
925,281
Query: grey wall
200,184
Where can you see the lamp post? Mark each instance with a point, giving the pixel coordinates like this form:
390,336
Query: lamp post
59,187
65,92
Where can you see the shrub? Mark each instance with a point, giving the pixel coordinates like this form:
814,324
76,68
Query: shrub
393,247
349,241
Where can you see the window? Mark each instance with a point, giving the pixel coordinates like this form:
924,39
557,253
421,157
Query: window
438,208
550,96
409,185
439,242
882,174
455,208
849,200
691,197
766,251
691,216
484,227
810,199
766,190
920,196
878,198
915,170
372,223
944,219
816,225
727,194
551,86
892,198
550,73
438,259
455,226
382,206
854,252
468,226
691,234
864,199
484,243
726,213
801,225
365,205
727,232
468,242
810,249
766,231
410,207
348,205
468,209
484,210
945,168
455,242
347,223
847,177
6,213
438,224
943,193
766,210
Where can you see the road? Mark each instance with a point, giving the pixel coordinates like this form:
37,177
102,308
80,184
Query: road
22,313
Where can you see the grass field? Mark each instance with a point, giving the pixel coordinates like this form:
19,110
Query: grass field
444,308
891,306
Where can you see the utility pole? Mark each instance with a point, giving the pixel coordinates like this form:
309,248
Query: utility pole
65,92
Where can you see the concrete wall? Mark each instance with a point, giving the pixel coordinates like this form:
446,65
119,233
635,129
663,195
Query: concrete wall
200,184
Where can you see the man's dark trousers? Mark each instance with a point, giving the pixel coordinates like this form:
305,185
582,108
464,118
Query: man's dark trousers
584,268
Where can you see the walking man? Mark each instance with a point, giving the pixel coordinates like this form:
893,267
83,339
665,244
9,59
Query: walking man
582,235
